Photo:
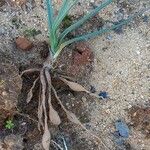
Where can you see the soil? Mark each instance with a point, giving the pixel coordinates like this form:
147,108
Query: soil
117,63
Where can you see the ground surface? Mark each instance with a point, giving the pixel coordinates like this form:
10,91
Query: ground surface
120,67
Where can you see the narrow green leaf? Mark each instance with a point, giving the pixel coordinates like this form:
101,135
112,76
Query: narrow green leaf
96,33
84,19
66,6
50,13
62,8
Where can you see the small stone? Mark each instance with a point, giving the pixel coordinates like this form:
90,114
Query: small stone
84,99
4,93
92,89
109,37
24,43
107,111
67,104
145,19
2,31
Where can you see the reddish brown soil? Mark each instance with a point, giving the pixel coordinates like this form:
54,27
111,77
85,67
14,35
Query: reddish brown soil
140,118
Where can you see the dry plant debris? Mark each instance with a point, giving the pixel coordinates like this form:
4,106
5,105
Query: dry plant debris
46,113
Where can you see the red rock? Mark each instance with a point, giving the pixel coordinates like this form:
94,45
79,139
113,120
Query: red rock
24,43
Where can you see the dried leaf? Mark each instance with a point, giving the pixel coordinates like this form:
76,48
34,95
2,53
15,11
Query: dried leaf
72,117
74,86
58,99
54,117
40,112
40,116
46,138
77,87
30,94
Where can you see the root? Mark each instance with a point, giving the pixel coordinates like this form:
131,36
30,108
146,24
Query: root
46,112
29,71
30,94
26,116
74,119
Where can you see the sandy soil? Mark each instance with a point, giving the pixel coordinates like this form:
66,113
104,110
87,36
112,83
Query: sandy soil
121,67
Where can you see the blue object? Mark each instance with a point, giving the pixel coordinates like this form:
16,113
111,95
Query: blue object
103,94
122,128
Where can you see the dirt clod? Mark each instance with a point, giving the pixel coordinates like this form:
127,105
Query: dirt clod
44,50
83,54
141,119
10,86
13,142
23,43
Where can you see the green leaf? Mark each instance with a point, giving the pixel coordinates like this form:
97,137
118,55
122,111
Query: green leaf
52,35
66,6
84,19
101,31
50,13
9,124
31,32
